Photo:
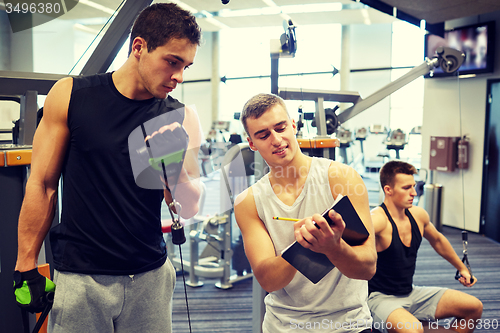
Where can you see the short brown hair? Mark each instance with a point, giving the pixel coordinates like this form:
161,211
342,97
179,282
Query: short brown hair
161,22
389,171
257,105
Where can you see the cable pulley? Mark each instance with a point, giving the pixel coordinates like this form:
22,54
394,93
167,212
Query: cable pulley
465,259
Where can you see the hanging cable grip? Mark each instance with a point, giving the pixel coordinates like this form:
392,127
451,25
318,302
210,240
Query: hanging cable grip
465,259
177,229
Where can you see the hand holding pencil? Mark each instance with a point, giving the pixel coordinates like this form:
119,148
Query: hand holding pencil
285,219
316,234
290,219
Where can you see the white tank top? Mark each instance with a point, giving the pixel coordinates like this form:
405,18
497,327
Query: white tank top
336,303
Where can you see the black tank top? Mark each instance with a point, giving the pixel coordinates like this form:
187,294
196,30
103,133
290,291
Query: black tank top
396,264
109,225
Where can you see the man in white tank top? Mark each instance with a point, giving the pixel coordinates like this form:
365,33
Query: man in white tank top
301,187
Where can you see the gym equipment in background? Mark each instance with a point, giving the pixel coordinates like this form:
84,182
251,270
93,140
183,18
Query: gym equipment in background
218,135
304,117
221,254
448,59
358,162
376,162
219,140
396,140
345,139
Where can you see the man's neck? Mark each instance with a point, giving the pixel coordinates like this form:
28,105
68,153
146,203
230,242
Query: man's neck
293,173
397,212
127,82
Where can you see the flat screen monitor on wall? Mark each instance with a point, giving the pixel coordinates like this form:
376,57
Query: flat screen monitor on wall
476,41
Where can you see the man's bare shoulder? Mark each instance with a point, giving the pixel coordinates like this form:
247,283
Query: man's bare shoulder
57,102
244,197
245,203
62,87
344,178
245,211
341,170
377,211
419,214
379,219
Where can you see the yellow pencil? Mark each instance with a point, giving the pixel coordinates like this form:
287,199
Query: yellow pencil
285,219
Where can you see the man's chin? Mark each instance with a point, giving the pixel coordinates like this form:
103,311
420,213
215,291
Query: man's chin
161,95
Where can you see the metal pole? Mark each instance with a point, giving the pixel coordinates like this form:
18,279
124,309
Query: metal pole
274,73
436,216
27,124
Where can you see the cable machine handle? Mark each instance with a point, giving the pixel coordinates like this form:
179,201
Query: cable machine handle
465,260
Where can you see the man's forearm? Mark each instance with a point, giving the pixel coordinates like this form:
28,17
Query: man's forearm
274,273
445,250
188,195
358,262
35,219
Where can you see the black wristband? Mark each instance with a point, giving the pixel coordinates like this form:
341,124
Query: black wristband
29,275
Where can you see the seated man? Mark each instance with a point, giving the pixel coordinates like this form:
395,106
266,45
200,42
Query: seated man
299,186
397,305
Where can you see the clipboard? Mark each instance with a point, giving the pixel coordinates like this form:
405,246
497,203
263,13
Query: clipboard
314,265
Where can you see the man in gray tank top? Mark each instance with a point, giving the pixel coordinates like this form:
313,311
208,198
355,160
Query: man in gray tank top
396,304
302,187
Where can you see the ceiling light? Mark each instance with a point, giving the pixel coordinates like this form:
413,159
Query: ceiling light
466,76
97,6
273,9
312,8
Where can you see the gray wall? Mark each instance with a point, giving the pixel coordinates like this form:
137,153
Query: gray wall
448,105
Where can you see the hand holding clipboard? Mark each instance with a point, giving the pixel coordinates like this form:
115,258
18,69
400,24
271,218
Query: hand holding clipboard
316,265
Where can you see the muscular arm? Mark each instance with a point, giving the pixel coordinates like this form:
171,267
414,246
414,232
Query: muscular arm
383,234
441,245
356,262
379,220
271,271
49,147
187,192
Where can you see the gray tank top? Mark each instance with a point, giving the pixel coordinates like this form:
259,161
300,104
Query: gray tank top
334,304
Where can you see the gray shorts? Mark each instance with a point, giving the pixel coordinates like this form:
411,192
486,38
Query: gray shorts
108,303
421,302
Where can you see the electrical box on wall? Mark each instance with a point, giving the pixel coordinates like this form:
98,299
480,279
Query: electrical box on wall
443,153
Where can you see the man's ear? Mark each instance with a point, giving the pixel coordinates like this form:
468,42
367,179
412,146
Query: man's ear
387,190
250,144
294,127
139,45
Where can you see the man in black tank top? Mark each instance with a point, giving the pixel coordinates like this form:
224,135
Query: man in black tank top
396,304
112,273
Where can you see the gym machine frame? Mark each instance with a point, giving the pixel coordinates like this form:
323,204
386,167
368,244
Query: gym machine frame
447,58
